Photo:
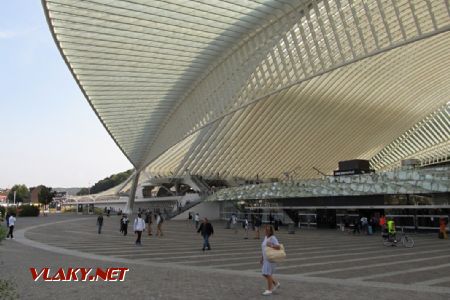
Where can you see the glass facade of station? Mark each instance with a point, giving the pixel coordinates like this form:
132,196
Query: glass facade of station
420,212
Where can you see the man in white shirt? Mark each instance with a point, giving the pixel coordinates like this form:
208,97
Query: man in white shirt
364,224
234,223
139,226
197,220
11,223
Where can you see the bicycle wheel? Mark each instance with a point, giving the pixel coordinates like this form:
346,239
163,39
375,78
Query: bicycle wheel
387,243
407,242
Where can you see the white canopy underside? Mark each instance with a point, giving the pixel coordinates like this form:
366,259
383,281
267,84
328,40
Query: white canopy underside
260,88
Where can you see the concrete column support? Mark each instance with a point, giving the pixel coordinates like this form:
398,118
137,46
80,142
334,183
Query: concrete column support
130,203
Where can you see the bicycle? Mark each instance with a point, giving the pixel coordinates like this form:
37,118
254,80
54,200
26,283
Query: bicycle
390,240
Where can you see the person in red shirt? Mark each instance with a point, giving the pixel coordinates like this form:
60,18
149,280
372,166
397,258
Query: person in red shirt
443,228
382,223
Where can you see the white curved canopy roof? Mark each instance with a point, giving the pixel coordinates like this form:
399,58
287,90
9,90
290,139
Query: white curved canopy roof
263,87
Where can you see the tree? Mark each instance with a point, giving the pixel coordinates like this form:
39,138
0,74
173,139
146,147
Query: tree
83,191
110,182
106,183
45,195
22,193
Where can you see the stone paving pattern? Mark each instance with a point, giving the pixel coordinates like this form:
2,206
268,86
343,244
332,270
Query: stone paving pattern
321,264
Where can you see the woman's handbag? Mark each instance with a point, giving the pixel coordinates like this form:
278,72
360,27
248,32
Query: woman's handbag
274,255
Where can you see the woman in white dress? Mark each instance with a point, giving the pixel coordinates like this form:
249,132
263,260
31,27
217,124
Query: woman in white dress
268,268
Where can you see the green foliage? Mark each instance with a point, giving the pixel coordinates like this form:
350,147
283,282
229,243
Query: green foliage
8,290
110,182
45,195
12,210
83,191
29,211
69,210
2,212
22,193
98,211
106,184
3,233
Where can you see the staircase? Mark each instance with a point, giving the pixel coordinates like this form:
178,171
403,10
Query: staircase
187,201
197,183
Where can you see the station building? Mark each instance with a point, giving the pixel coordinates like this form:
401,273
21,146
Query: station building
267,96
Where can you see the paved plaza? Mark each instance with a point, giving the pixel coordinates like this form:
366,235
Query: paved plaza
321,264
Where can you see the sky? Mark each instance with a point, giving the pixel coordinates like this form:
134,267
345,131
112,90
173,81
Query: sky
49,133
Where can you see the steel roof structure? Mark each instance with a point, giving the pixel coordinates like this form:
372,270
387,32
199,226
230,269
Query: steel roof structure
246,88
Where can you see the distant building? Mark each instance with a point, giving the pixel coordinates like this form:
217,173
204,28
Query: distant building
4,195
60,197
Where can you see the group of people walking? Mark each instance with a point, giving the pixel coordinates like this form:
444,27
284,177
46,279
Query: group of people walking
362,225
256,225
140,224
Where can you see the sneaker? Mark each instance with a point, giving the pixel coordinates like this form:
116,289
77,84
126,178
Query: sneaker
267,293
276,286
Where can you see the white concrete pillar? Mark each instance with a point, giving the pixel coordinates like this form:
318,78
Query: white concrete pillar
130,203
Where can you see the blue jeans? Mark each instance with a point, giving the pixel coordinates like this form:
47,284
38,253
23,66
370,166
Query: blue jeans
206,242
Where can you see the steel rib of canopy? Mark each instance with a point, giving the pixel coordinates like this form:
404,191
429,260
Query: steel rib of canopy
141,56
312,122
428,140
265,86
